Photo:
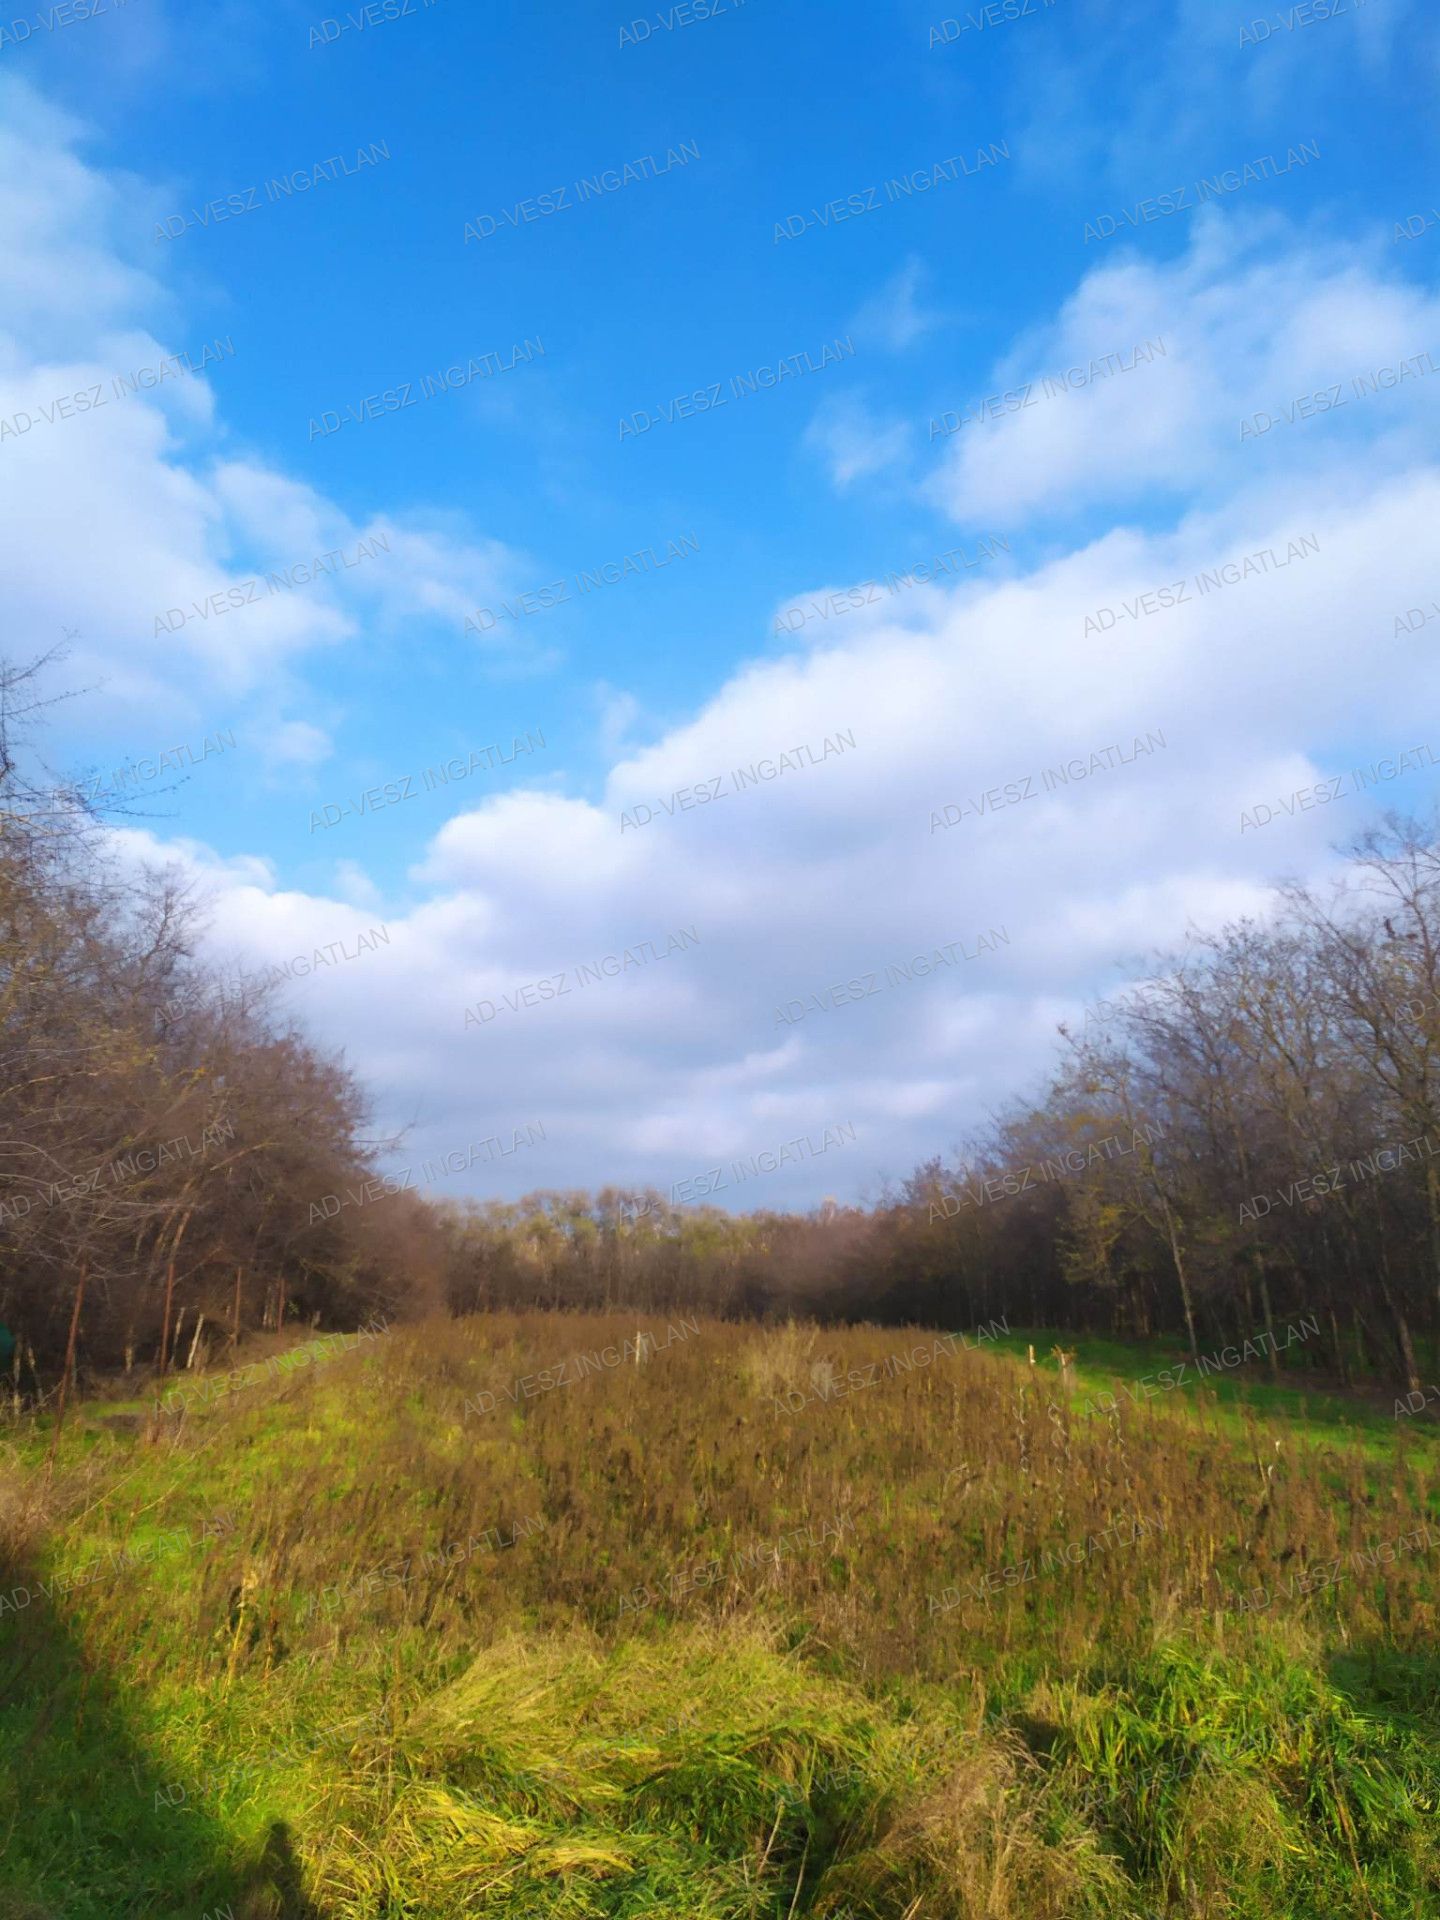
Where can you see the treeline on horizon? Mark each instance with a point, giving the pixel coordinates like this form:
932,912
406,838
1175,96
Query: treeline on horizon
1245,1138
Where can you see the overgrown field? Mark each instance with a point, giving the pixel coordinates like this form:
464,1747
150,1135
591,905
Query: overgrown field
751,1622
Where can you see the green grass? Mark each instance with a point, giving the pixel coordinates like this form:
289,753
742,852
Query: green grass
1362,1421
495,1735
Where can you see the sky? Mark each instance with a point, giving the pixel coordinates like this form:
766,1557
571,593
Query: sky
727,567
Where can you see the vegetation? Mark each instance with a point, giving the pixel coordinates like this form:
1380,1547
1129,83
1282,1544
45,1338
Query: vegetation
1245,1137
733,1622
608,1559
1248,1135
165,1132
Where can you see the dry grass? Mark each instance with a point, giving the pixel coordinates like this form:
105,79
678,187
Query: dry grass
643,1645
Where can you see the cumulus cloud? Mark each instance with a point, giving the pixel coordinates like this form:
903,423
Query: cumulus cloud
1228,602
201,580
1088,412
954,947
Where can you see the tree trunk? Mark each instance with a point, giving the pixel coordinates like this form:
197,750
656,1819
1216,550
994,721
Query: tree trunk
1432,1197
1269,1319
1397,1313
1184,1283
1338,1350
1403,1340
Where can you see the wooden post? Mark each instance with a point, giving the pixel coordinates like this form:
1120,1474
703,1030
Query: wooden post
170,1296
235,1317
69,1362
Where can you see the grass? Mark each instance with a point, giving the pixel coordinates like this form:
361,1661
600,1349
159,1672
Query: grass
1314,1413
649,1646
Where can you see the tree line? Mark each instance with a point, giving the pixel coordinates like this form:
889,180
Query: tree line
1245,1136
163,1128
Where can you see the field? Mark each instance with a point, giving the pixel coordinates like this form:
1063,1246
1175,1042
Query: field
532,1616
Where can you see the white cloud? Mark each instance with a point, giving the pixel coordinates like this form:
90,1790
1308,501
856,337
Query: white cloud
183,530
1251,319
354,885
853,442
828,876
896,317
296,743
831,877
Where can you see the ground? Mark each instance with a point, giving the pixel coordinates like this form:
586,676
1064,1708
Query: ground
532,1616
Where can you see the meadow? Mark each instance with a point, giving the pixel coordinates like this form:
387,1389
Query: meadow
577,1615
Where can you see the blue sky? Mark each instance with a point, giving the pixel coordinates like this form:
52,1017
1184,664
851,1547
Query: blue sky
1289,284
